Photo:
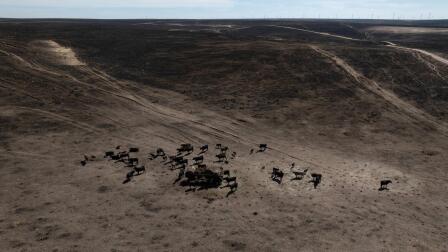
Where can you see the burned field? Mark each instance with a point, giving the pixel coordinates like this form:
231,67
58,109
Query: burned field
352,118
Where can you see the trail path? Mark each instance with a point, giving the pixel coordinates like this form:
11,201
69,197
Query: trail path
315,32
389,96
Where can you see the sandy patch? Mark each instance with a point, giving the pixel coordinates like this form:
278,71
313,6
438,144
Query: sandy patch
56,53
406,30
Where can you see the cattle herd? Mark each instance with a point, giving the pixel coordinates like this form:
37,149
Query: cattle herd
197,176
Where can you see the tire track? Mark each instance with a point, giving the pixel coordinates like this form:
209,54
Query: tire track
387,95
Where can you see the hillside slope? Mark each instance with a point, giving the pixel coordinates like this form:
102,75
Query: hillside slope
324,114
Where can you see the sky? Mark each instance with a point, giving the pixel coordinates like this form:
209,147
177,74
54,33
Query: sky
216,9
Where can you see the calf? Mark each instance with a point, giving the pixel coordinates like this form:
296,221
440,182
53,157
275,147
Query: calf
316,179
384,183
299,174
218,146
263,147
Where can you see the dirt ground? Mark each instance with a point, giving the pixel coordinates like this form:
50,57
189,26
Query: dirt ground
344,120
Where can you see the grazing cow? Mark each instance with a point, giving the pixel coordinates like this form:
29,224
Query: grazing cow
277,175
218,146
299,174
263,147
251,151
204,148
316,179
109,154
199,159
293,165
118,147
384,183
133,149
140,169
221,157
233,155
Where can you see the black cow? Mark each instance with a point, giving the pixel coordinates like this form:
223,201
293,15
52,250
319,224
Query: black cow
123,154
133,149
204,148
160,152
277,175
263,147
224,149
202,167
229,179
221,157
199,159
132,161
316,179
384,183
182,162
140,169
129,176
109,154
